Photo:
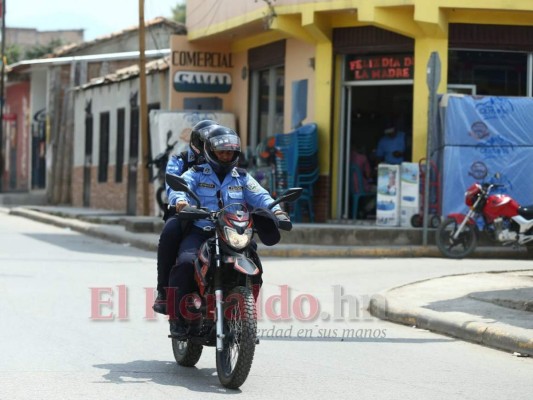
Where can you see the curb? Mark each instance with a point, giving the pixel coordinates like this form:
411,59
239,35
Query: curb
143,241
119,233
511,339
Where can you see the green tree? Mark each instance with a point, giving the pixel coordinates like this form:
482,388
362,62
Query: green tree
39,50
13,53
178,13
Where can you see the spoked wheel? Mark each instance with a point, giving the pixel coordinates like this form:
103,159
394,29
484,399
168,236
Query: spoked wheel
461,247
240,330
186,353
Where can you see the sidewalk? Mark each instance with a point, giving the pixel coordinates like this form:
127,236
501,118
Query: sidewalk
305,240
492,309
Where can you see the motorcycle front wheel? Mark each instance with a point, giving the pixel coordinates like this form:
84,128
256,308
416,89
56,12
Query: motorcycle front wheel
240,332
186,353
461,247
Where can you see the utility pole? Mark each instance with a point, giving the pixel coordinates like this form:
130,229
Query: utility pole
143,112
2,100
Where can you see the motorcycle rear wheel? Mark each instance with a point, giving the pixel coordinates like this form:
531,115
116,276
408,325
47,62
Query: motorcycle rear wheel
161,198
461,247
186,353
240,330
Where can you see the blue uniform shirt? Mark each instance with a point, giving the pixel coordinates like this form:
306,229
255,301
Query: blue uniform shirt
238,187
387,145
175,166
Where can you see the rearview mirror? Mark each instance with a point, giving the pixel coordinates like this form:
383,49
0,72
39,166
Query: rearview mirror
178,184
290,195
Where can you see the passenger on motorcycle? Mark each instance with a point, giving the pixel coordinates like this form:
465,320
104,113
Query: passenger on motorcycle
217,183
172,233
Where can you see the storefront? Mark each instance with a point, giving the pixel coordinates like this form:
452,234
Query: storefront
362,66
377,85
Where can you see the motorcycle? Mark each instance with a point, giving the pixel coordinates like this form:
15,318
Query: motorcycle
222,313
160,162
501,218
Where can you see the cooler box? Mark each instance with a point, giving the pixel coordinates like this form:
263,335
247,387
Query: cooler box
388,195
409,192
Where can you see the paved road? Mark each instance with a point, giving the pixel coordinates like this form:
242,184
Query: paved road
51,347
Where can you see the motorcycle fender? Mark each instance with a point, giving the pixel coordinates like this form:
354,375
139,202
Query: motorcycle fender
459,218
242,264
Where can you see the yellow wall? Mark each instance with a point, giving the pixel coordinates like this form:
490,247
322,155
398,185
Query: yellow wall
308,25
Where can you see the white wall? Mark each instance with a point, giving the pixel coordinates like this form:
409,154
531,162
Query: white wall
110,98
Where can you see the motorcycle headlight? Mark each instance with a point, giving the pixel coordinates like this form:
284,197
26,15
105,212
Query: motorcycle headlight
235,240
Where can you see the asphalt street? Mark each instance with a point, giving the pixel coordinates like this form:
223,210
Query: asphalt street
53,345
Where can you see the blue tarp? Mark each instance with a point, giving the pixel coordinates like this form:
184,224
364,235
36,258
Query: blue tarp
485,139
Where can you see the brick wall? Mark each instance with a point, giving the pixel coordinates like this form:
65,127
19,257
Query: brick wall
113,196
109,195
321,202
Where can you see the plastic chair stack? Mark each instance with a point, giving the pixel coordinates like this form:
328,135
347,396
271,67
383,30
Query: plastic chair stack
357,189
286,162
301,147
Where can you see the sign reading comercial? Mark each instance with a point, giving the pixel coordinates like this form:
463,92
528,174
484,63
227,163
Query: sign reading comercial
368,68
199,76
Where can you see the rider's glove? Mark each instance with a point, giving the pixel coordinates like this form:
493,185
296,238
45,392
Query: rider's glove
180,205
281,215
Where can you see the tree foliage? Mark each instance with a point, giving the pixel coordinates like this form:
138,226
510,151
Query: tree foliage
13,53
39,50
178,13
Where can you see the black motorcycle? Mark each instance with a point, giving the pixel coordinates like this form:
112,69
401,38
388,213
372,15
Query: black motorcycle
222,313
160,162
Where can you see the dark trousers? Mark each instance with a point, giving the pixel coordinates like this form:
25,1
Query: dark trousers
181,280
167,251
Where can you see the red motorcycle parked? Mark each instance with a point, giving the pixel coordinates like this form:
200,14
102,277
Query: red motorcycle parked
502,219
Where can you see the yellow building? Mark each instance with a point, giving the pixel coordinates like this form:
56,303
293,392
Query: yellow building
347,66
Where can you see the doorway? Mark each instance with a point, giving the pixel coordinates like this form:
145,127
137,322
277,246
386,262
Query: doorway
367,108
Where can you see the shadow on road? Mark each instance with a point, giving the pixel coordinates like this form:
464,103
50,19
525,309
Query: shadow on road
86,244
164,373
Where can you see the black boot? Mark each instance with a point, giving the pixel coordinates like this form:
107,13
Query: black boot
160,303
178,329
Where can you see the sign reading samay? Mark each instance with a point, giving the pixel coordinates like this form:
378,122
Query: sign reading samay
369,68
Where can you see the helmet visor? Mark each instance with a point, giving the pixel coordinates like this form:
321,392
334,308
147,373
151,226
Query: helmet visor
225,142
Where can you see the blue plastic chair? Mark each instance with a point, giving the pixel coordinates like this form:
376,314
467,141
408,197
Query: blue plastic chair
357,193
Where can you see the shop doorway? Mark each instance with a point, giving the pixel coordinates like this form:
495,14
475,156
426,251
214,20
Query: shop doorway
367,109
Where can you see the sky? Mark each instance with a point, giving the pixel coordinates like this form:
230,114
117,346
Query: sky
96,17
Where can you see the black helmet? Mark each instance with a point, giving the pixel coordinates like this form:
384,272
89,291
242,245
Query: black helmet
198,134
222,138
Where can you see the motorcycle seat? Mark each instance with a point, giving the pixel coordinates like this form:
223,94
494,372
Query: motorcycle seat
526,212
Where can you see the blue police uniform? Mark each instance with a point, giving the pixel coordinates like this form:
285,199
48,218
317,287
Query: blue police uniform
238,187
176,166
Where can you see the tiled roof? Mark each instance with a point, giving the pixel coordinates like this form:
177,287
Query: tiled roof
130,72
72,48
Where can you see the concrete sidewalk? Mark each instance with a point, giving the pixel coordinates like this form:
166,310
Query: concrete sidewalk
493,309
363,239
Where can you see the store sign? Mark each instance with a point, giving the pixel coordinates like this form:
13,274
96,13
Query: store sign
202,82
204,59
369,68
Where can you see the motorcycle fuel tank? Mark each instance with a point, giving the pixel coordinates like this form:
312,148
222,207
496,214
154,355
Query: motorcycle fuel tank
500,205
